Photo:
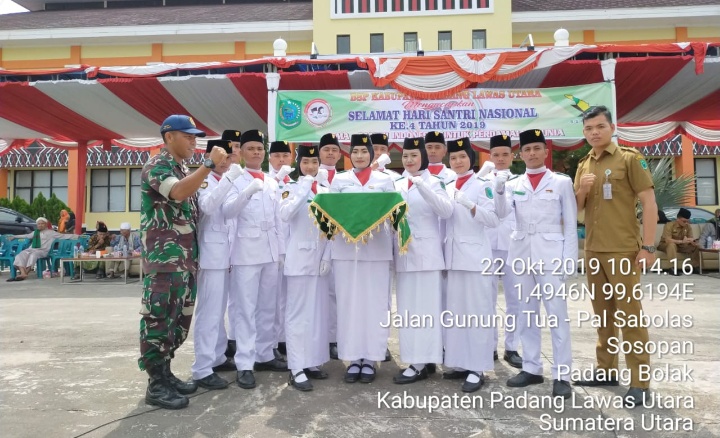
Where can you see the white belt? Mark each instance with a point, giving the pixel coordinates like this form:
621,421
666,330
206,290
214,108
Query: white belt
539,228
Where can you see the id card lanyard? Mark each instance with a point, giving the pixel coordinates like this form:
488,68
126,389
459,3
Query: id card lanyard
607,187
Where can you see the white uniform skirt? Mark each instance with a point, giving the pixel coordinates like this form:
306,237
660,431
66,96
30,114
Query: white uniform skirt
306,322
469,319
361,288
419,304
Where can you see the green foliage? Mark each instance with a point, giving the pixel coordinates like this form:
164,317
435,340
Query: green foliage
669,190
41,206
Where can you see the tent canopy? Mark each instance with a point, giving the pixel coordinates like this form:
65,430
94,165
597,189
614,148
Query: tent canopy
662,90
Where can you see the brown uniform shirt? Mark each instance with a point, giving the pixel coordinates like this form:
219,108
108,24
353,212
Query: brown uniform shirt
611,225
675,231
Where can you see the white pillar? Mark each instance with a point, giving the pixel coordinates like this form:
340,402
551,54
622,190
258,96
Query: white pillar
273,82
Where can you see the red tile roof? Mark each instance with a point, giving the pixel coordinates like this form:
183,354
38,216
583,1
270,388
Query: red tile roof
563,5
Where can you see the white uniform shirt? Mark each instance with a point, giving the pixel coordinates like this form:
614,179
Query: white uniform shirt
425,249
258,238
216,231
500,237
306,245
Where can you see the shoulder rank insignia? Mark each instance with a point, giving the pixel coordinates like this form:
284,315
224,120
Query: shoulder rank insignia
285,194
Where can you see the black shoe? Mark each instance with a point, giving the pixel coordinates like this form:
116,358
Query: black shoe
495,355
231,348
333,351
431,368
228,365
636,396
100,275
561,388
279,356
246,379
282,348
184,388
271,365
388,356
513,358
213,381
524,379
161,393
402,379
454,375
315,374
472,387
352,377
300,386
598,380
367,378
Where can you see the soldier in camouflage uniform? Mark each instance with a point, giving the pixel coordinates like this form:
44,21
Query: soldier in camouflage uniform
168,220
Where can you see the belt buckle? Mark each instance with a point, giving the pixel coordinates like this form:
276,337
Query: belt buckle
531,228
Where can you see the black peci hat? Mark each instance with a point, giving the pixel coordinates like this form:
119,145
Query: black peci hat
462,144
500,140
231,135
531,136
417,143
329,138
279,146
225,144
435,137
358,140
252,135
379,138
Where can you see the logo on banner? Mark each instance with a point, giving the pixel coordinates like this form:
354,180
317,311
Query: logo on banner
318,112
290,113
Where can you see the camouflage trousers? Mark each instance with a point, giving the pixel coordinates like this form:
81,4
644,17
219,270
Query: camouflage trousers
167,308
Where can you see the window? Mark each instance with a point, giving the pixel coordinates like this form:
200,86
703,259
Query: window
479,39
343,44
377,43
107,190
135,189
30,183
411,42
445,40
705,182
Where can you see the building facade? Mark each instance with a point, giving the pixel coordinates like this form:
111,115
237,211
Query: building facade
59,33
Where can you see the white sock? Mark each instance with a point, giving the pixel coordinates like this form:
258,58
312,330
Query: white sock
299,378
409,372
313,369
367,370
472,378
353,364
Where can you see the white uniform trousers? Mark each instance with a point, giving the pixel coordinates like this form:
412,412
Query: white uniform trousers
306,322
512,303
253,301
281,302
329,284
420,293
209,321
530,335
362,305
470,313
227,332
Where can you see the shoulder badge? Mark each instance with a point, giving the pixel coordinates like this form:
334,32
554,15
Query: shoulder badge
204,185
285,194
488,192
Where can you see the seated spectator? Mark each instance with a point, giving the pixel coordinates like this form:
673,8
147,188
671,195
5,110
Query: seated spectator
678,237
62,222
134,247
712,230
42,239
98,242
662,218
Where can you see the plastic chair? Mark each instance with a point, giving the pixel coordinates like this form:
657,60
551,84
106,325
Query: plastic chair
13,247
46,262
66,250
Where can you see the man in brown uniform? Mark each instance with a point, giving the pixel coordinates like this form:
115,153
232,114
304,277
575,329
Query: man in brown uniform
608,183
678,236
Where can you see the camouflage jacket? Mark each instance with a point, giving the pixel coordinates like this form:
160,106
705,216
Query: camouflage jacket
167,227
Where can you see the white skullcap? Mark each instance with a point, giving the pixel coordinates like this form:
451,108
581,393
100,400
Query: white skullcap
41,219
125,226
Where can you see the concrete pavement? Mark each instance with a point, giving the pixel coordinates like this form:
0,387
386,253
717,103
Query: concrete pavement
68,366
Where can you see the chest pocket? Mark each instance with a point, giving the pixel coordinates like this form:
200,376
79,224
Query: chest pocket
520,198
547,197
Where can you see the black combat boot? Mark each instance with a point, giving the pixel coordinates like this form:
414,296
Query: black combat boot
161,393
182,387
